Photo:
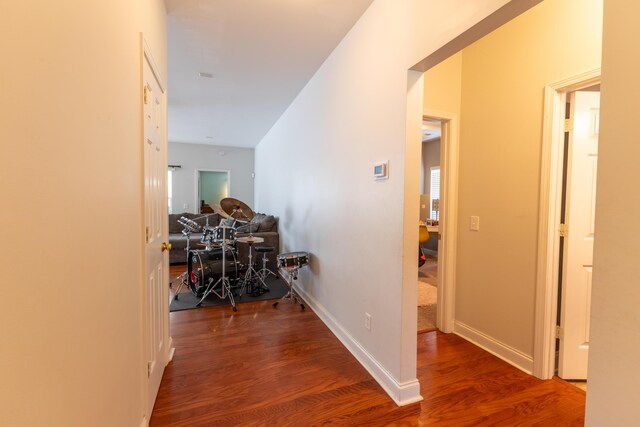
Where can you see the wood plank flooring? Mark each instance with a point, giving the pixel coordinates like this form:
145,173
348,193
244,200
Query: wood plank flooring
283,367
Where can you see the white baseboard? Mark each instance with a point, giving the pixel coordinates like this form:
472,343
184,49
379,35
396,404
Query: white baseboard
402,393
172,350
503,351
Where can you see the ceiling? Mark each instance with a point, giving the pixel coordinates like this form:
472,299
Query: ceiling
256,56
431,130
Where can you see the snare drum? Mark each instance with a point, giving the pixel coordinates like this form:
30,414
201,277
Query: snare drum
292,260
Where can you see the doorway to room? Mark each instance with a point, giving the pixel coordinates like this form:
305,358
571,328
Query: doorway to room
211,187
429,225
577,235
566,224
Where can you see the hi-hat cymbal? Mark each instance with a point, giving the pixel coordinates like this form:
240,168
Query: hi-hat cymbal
236,209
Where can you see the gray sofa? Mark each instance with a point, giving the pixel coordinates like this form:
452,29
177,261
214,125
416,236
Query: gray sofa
265,226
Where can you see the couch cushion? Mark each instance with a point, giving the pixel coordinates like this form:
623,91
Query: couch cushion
251,227
268,223
214,219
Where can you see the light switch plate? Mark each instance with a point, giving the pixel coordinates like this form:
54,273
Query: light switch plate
474,223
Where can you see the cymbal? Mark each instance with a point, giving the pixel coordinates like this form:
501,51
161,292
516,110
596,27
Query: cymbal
218,209
236,209
251,239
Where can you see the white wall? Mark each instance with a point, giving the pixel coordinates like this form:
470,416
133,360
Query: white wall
321,186
71,220
192,157
614,350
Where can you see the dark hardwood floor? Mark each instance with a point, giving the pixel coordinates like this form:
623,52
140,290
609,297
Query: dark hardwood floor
266,366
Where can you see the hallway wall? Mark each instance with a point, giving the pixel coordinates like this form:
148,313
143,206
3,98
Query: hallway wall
71,182
314,169
614,348
501,109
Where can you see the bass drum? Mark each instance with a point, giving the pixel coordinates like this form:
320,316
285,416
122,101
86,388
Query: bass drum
204,267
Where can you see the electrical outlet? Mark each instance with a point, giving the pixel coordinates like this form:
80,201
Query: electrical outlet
367,321
474,223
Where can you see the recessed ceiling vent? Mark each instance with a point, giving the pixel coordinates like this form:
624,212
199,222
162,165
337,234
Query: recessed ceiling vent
205,75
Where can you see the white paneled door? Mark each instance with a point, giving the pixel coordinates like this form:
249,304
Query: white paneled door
155,215
580,219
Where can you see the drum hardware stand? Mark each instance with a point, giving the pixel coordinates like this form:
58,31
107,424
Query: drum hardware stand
292,295
264,271
252,275
225,284
189,227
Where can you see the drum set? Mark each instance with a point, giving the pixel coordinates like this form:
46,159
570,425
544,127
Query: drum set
215,269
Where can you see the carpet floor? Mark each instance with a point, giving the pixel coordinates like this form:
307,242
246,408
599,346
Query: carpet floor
427,295
187,300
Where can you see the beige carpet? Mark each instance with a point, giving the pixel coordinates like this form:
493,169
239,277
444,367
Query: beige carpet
427,318
427,295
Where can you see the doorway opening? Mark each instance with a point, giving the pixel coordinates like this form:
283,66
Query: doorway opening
567,217
429,225
577,234
211,187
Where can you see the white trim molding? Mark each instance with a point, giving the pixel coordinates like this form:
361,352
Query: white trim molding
402,394
171,350
449,165
551,170
499,349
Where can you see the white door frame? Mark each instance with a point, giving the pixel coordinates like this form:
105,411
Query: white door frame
551,170
448,228
197,186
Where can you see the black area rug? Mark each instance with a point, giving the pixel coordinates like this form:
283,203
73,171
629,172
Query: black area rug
187,300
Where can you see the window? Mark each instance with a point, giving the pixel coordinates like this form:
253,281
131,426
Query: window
434,194
170,188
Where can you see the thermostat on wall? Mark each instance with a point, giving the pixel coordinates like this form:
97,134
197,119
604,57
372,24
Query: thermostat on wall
381,170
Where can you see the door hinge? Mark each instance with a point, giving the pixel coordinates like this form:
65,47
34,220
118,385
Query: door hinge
147,234
145,96
558,332
568,125
148,369
564,230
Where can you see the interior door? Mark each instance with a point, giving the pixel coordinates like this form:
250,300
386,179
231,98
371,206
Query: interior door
580,219
155,214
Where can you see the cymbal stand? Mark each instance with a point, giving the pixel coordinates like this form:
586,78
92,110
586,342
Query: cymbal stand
265,271
189,226
225,284
252,275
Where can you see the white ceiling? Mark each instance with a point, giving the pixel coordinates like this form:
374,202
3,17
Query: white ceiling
260,53
431,130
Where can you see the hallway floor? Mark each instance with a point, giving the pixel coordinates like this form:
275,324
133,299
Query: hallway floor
266,366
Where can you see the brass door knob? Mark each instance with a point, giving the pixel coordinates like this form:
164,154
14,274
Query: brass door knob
166,246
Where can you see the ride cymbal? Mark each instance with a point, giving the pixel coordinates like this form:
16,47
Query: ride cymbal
236,209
